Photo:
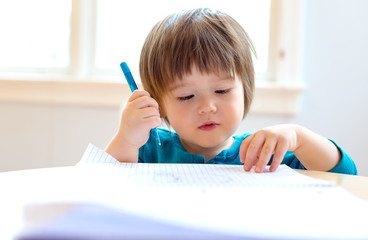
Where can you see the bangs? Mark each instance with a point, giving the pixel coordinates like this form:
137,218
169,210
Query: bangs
205,46
191,39
210,41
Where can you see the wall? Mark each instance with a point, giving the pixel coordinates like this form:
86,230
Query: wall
38,135
334,103
335,71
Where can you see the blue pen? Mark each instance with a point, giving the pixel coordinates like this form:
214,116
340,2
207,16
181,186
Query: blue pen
129,77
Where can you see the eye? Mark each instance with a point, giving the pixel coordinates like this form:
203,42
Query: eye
185,98
223,91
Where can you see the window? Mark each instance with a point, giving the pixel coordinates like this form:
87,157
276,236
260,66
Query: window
85,40
34,35
122,28
103,33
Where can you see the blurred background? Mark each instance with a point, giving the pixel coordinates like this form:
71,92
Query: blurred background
61,87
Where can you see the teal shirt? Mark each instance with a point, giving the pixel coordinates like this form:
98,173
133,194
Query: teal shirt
172,151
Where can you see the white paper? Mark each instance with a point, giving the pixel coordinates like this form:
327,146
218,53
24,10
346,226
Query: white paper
217,198
282,204
201,175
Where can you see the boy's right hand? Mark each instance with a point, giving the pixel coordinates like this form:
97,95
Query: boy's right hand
139,116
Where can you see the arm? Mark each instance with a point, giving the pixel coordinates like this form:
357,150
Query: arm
139,116
316,152
313,151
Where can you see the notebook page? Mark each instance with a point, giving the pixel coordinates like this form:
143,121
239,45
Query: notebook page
94,154
200,175
216,198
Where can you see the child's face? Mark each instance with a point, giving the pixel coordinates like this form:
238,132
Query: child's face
205,110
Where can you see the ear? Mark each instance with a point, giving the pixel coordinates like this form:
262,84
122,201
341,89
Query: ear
162,110
162,113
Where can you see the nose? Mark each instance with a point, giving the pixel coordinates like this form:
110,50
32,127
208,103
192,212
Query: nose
206,105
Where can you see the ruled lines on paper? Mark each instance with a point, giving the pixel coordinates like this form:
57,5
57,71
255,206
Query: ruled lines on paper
200,175
96,155
216,176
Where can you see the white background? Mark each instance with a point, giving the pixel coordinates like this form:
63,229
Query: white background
334,104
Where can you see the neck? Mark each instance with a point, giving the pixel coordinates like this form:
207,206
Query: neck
208,153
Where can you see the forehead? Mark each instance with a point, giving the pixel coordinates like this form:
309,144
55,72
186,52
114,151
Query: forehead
195,77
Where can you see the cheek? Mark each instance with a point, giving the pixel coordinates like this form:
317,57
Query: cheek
235,110
175,113
235,106
178,118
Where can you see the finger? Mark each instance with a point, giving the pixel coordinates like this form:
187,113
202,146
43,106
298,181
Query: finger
144,102
151,122
279,154
243,148
268,149
146,113
137,94
253,151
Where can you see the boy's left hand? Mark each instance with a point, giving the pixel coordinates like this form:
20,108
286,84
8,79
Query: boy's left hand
257,149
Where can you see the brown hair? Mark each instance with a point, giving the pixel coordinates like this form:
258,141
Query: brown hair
211,40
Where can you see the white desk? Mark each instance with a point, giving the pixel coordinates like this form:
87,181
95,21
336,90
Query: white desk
250,212
357,185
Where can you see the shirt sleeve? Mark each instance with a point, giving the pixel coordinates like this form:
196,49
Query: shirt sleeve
345,166
147,153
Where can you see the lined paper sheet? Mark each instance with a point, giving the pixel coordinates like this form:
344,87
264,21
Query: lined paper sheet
219,199
94,154
200,175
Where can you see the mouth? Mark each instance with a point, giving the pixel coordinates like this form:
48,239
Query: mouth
208,126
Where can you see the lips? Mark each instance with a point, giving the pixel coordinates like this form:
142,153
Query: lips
208,126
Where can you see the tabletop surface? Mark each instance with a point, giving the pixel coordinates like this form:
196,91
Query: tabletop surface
31,194
357,185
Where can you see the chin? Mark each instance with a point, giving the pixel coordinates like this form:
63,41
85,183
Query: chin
207,140
210,144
